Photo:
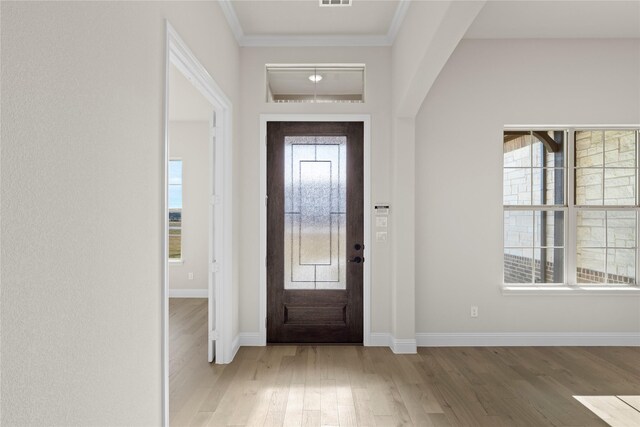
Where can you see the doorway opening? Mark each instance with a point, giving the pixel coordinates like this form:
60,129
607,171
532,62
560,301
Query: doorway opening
197,216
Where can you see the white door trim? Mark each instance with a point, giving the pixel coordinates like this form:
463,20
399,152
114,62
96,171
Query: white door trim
177,53
366,120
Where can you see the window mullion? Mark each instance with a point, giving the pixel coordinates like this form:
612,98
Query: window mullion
570,223
636,248
637,202
533,240
604,148
606,245
533,212
604,206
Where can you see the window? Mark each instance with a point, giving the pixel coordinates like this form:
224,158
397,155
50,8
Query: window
606,200
570,218
315,83
175,210
534,206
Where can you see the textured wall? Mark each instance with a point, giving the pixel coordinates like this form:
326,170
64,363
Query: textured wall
82,140
485,86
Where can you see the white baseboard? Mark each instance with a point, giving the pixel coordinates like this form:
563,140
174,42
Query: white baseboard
398,346
188,293
376,339
379,339
251,339
515,339
476,339
404,346
246,339
235,346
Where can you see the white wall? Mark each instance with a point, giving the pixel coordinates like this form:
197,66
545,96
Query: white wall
418,29
485,86
81,207
189,141
428,35
378,104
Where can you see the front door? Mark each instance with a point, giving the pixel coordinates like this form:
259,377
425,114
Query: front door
315,250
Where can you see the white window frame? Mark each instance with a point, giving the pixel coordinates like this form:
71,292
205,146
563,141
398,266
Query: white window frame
542,208
570,285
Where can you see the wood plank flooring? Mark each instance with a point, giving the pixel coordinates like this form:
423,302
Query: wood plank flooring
368,386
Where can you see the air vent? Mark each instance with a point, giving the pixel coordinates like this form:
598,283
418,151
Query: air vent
330,3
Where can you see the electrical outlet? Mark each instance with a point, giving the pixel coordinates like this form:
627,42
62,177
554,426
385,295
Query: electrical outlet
190,276
474,311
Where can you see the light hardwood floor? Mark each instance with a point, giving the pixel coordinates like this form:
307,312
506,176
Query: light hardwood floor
348,385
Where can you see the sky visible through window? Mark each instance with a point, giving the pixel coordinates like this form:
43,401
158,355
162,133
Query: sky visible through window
175,184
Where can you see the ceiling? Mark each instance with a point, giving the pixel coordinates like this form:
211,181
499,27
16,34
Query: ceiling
185,102
376,22
307,17
305,23
557,19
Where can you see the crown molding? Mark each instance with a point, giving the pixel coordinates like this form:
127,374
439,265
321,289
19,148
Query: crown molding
313,40
232,19
398,19
309,40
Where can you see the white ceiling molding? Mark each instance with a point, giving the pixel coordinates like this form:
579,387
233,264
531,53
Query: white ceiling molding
398,19
313,40
287,41
232,19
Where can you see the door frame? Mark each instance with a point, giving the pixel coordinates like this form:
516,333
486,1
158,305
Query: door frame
177,53
366,285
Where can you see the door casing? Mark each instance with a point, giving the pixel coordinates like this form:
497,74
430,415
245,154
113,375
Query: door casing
261,339
177,53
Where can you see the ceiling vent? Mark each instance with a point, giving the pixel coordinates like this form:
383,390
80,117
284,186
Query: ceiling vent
330,3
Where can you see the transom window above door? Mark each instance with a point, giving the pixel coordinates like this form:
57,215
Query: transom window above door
320,83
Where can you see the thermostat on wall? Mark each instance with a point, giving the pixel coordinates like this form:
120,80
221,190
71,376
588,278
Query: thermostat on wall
381,209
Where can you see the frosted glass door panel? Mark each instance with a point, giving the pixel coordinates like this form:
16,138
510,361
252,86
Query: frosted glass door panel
315,212
315,215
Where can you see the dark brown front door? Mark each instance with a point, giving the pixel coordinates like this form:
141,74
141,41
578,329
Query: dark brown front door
315,249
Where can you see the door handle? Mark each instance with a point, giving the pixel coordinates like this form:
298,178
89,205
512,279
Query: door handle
356,260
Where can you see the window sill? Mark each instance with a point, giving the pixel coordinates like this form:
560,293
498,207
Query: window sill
571,290
176,261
